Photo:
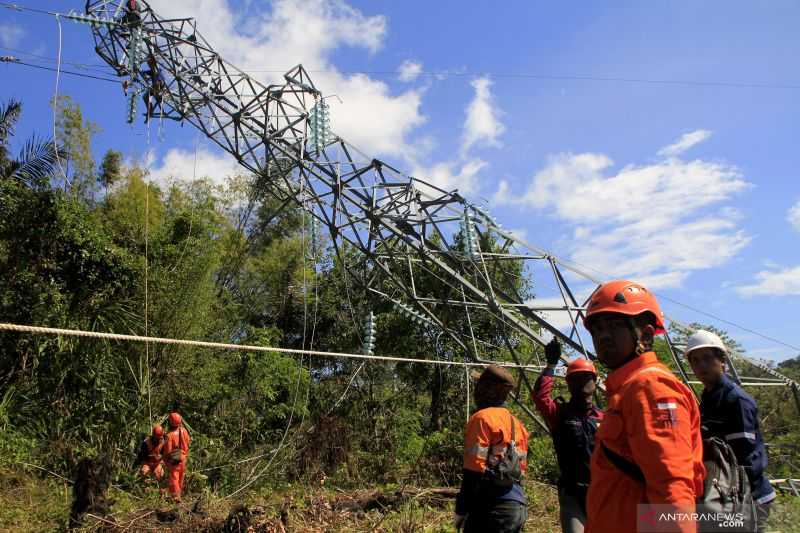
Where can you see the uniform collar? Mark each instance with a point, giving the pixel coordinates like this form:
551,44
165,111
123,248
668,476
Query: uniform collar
616,378
723,384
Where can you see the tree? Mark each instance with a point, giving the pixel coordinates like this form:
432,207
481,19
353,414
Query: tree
110,169
75,149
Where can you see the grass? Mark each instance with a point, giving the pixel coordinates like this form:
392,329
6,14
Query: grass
30,503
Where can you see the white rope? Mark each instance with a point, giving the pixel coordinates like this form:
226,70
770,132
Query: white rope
38,330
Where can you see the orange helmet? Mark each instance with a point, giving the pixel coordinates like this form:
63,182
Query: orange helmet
158,431
581,365
175,420
624,298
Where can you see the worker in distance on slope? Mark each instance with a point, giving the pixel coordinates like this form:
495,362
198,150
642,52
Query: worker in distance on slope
176,452
495,450
730,414
648,449
573,425
149,456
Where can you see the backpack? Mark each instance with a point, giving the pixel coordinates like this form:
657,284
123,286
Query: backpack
726,488
508,470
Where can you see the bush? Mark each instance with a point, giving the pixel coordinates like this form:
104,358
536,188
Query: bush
542,463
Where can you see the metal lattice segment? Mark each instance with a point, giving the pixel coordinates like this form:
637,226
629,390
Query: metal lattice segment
405,228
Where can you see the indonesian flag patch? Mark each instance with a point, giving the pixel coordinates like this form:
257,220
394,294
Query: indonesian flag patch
666,412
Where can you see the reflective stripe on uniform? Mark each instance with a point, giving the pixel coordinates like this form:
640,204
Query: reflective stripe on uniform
742,435
480,451
766,498
669,405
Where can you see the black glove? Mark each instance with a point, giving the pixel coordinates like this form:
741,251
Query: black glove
552,352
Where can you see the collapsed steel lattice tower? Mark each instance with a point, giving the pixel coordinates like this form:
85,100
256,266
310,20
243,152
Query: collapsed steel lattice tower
403,226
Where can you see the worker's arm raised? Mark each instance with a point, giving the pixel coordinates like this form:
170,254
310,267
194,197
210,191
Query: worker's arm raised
543,388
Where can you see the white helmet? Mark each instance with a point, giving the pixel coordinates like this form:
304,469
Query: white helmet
704,339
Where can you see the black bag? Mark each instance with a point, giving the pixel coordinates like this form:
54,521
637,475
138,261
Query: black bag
508,470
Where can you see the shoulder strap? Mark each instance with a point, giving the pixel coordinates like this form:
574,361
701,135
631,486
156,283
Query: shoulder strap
513,430
628,468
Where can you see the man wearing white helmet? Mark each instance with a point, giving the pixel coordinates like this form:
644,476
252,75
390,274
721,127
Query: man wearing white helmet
729,413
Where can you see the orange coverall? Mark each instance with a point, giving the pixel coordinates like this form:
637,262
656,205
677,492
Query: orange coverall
152,463
653,421
176,439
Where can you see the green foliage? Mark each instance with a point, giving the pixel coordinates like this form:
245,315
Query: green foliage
110,169
542,464
74,136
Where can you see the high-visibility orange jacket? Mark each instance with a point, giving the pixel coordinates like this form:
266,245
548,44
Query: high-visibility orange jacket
653,421
488,434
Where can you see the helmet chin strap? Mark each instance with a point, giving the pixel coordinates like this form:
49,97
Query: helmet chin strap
637,341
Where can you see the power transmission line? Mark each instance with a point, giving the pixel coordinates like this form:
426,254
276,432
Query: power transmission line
15,61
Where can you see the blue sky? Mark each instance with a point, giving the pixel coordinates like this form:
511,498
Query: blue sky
689,187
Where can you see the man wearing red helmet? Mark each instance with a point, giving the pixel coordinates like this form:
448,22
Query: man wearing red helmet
149,456
649,448
573,425
176,451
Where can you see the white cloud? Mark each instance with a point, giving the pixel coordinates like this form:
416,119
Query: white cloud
450,176
10,34
179,165
686,141
559,319
409,70
308,32
482,123
656,223
782,282
794,216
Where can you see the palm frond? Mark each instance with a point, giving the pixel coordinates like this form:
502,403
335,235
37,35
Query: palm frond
9,114
36,162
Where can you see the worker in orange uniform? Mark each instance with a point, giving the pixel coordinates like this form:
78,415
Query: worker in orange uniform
149,456
495,447
648,449
176,451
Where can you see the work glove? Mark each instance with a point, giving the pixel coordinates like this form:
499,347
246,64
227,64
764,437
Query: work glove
552,352
458,521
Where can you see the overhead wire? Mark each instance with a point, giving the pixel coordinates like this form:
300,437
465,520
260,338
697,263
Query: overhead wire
79,74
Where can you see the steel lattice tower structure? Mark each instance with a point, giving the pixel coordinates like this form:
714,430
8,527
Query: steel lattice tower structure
404,227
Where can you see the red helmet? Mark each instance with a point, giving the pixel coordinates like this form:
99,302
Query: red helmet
624,298
158,431
581,365
175,420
